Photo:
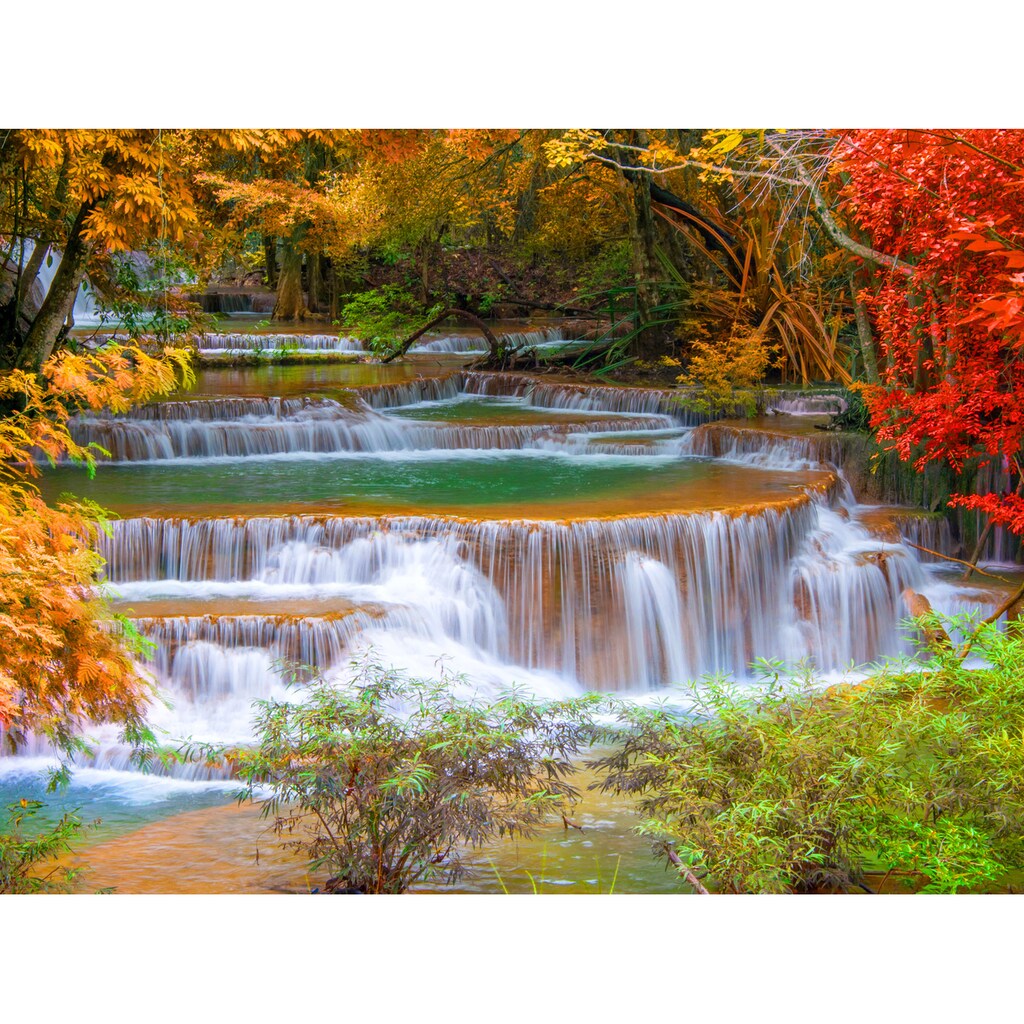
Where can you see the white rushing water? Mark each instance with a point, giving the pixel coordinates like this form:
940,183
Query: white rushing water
258,427
632,604
270,344
281,344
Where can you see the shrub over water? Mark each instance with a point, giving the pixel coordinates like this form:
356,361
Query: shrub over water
911,780
29,852
918,775
382,784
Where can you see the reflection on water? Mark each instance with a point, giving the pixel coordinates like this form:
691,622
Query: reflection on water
316,379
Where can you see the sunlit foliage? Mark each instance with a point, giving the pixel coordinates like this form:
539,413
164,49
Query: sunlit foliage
64,659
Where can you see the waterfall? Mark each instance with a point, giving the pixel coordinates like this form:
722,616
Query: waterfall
254,427
241,344
613,604
538,393
807,405
630,604
765,448
237,302
477,344
452,343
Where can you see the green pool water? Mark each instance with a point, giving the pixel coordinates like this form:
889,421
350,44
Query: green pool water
494,485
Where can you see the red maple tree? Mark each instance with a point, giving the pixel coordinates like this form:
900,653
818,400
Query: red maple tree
949,206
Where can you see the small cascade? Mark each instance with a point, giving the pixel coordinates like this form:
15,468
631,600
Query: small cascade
547,338
452,343
846,588
765,448
928,534
215,409
261,427
184,644
807,405
580,397
538,393
230,302
236,344
412,392
477,344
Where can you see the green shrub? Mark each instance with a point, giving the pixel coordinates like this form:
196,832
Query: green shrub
383,316
799,788
27,854
381,785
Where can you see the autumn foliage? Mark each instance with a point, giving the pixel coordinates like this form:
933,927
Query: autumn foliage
949,205
65,660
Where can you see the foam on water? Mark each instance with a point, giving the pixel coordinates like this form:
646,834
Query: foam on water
245,344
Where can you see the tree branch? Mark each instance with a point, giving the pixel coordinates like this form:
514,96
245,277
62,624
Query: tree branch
950,558
492,341
1003,608
835,232
687,874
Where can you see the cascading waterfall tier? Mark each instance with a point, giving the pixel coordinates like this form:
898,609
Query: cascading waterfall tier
539,393
251,426
613,604
768,448
477,344
270,343
244,427
806,405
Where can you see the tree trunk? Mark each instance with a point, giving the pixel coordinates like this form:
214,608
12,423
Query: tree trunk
864,335
314,282
60,299
336,292
526,207
643,242
424,253
291,303
645,267
42,244
270,257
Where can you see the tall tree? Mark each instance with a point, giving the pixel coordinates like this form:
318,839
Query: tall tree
80,197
